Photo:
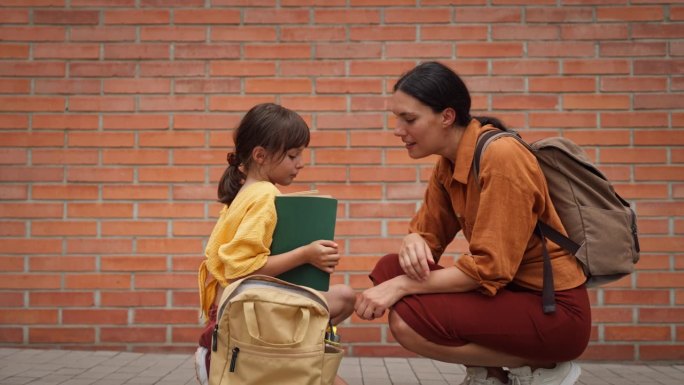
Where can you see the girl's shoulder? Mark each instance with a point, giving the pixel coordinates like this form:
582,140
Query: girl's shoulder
256,192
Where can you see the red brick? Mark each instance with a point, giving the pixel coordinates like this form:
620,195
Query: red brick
12,228
599,66
63,299
14,51
29,281
137,17
347,16
526,67
64,121
243,33
63,228
12,299
95,317
32,34
171,103
206,16
278,86
64,192
134,121
613,352
15,86
133,334
93,174
29,317
138,192
276,16
31,210
312,34
67,17
32,104
165,316
349,50
661,352
656,31
277,51
167,210
137,51
61,264
103,34
97,281
13,192
633,48
195,228
137,298
172,34
101,103
117,228
14,16
102,3
157,69
61,335
32,174
137,86
194,193
41,156
67,86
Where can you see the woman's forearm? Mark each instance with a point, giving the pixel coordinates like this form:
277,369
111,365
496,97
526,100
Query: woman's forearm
449,280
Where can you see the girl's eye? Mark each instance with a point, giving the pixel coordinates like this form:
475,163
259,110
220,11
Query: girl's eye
411,120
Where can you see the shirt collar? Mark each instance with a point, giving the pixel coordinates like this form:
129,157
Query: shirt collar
466,150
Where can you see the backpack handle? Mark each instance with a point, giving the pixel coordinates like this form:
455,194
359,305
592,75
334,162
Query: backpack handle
253,325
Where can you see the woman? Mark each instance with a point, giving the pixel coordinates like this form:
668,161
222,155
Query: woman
485,312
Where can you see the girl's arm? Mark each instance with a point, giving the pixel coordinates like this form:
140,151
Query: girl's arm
374,301
323,254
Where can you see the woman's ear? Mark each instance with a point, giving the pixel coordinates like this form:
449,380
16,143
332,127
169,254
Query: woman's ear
259,155
448,117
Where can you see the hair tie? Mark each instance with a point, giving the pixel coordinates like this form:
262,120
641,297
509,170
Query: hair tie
232,159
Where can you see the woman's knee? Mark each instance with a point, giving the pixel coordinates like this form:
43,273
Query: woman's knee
386,268
401,331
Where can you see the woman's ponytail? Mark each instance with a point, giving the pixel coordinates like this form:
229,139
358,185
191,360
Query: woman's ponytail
484,120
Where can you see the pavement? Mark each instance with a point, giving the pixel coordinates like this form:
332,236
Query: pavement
69,367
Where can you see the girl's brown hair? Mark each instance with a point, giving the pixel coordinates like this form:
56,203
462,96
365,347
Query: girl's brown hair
271,126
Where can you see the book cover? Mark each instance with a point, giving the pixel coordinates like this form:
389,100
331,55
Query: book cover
302,219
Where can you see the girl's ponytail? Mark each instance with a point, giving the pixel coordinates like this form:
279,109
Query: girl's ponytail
231,180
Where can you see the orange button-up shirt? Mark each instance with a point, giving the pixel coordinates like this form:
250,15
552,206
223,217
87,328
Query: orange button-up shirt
497,217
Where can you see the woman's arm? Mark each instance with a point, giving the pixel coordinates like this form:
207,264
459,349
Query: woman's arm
374,301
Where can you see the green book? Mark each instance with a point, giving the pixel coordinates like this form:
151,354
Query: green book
301,220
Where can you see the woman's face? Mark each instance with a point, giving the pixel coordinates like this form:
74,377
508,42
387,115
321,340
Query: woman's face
420,128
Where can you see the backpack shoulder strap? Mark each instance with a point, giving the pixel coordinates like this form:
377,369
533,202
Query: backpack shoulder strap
485,139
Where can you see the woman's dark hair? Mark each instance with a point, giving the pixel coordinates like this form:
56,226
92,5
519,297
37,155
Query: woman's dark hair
439,88
271,126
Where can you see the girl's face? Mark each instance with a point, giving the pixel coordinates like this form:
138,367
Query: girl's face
420,128
283,171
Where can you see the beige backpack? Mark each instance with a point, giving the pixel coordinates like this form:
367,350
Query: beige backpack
272,332
601,226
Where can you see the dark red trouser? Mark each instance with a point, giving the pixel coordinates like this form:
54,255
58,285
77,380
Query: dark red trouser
512,321
205,337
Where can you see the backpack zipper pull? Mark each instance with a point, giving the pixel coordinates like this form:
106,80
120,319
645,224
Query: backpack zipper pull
214,339
233,359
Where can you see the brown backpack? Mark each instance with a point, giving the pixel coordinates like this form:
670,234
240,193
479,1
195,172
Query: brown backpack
601,226
271,332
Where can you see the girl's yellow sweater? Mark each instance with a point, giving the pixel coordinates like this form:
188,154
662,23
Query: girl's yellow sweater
240,241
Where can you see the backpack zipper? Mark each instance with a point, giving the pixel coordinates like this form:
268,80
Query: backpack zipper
233,359
214,339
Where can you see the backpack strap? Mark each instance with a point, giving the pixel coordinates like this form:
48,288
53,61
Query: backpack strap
541,229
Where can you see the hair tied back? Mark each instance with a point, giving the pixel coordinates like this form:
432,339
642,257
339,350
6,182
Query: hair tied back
232,159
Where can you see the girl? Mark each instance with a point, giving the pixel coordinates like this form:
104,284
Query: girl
268,150
484,312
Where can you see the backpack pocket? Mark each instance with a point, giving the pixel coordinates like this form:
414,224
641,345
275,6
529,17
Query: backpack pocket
252,365
611,259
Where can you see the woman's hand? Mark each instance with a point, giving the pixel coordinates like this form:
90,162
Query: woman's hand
414,255
373,302
323,254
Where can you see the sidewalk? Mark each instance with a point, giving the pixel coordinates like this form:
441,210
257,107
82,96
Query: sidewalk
66,367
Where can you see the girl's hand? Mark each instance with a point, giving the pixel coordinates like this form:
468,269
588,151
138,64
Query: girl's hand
323,254
373,302
414,255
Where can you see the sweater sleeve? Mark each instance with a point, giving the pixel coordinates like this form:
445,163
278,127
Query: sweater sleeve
247,251
435,221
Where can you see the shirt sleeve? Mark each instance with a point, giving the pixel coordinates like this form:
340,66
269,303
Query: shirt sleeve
511,198
247,251
436,221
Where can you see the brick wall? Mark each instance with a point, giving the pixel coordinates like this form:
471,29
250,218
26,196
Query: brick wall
115,117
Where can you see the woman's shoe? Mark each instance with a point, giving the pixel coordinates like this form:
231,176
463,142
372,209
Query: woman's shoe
476,375
565,373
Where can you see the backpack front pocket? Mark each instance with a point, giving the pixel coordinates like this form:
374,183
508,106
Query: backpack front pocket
250,364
